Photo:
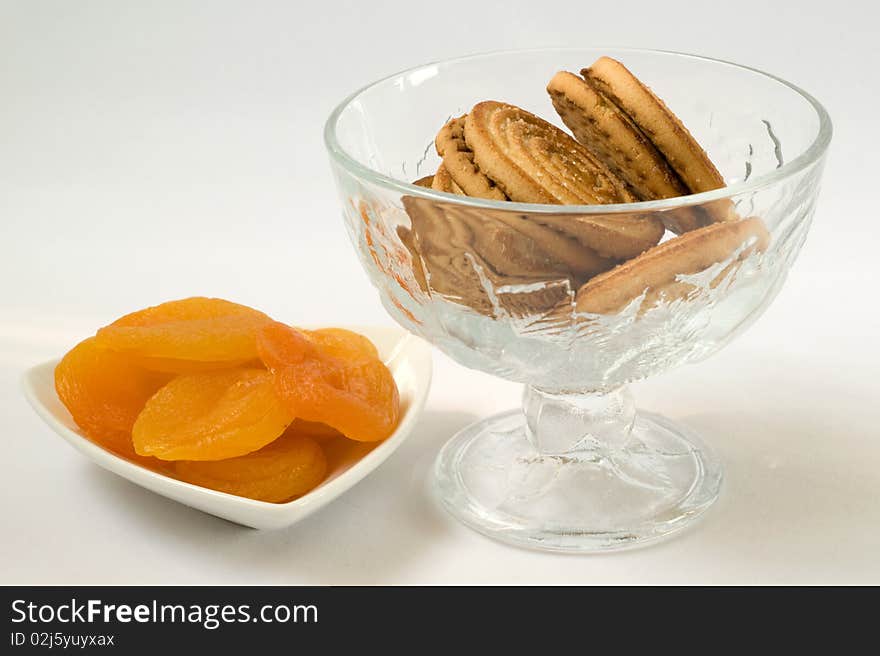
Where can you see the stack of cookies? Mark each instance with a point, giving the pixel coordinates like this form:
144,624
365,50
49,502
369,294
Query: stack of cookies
625,146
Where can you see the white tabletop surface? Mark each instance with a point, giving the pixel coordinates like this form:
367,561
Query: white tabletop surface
151,151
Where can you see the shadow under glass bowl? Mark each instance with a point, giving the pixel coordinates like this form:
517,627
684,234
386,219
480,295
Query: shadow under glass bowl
577,468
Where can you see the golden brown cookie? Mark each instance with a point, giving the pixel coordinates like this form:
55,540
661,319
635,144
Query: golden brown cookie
533,161
458,160
610,135
661,126
617,236
442,181
571,254
655,271
479,257
424,182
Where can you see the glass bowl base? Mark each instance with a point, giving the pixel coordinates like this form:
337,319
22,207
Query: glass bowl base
599,497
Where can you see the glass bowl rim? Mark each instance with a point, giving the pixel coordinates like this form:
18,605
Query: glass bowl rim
809,156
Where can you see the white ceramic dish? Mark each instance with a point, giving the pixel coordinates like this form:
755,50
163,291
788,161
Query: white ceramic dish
409,359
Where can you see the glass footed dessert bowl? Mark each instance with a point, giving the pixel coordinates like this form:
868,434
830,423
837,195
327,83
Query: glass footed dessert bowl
509,287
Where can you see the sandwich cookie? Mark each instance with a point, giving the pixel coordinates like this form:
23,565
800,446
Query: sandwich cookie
668,134
619,237
478,257
424,182
442,181
611,135
458,162
533,161
656,271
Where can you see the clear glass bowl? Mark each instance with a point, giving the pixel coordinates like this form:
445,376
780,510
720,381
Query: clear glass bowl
577,468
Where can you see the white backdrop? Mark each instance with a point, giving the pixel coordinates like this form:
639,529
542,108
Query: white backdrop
156,150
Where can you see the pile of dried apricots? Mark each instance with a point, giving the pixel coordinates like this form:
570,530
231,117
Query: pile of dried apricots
219,395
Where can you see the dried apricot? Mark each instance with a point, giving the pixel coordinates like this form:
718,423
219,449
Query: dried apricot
211,416
359,398
187,336
342,343
287,468
313,429
104,393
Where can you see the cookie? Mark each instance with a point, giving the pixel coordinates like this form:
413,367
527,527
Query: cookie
533,161
458,161
424,182
619,237
578,259
611,135
661,126
655,271
442,181
487,259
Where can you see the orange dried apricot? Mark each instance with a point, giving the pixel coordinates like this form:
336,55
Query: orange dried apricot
211,416
342,343
187,336
359,398
104,393
287,468
313,429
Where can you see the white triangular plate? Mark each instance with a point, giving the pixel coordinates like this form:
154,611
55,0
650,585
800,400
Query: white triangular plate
409,359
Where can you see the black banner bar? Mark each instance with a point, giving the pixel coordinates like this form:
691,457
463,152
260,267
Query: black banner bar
239,620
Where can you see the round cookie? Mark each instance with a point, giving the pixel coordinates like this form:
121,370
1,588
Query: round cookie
661,126
533,161
582,260
490,258
442,181
610,134
458,161
619,237
655,271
